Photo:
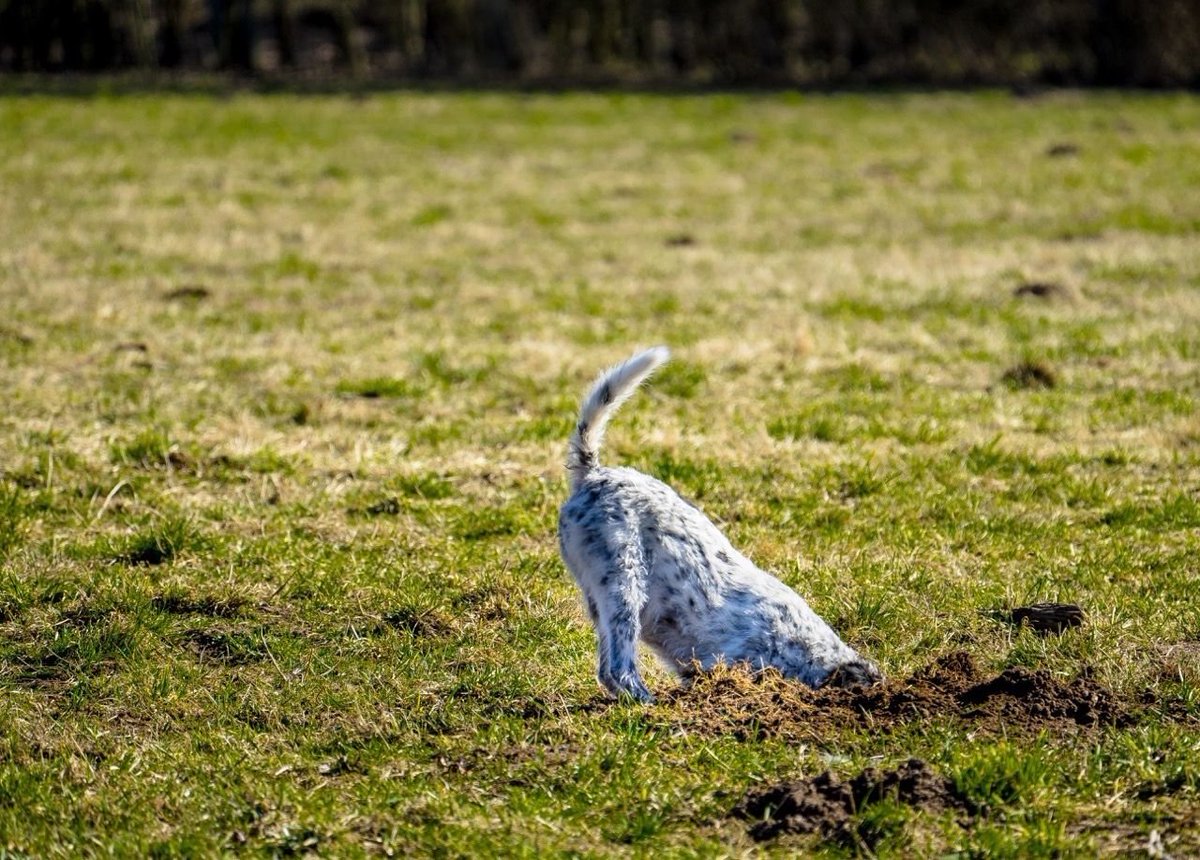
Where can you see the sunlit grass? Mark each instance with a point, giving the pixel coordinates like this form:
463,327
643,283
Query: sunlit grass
287,382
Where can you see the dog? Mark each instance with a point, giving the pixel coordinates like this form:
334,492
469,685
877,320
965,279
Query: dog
652,566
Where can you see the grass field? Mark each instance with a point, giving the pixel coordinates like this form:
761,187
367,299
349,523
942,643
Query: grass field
287,382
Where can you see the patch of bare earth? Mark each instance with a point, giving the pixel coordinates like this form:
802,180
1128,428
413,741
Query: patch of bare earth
733,701
825,804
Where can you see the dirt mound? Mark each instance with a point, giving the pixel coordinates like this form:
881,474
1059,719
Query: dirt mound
825,804
1025,697
732,701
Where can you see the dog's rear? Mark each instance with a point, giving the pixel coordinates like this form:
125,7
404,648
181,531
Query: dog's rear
598,537
652,566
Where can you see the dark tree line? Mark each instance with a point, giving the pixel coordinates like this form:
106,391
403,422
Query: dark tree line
817,42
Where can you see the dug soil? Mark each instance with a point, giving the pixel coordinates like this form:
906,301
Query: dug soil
732,701
825,804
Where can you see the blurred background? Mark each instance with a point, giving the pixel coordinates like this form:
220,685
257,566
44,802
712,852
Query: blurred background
662,42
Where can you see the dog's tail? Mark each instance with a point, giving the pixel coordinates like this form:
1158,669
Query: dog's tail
612,388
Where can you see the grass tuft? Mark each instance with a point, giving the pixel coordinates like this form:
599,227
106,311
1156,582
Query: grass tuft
161,543
13,514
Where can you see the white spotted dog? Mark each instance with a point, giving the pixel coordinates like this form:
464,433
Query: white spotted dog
650,564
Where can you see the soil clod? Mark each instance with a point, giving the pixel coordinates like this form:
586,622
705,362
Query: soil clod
1062,150
147,553
1030,374
190,292
1047,618
1041,290
825,804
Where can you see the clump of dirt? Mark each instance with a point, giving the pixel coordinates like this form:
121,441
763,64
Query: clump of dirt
189,292
1062,150
1046,618
1030,374
1042,290
1024,697
733,701
824,804
147,553
680,240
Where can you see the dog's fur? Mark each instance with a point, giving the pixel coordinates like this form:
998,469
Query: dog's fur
650,564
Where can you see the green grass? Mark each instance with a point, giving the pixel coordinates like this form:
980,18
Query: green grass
287,381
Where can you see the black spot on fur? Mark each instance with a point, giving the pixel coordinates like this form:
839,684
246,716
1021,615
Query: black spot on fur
724,556
605,395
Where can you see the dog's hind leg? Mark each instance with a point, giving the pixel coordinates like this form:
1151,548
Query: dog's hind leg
620,596
601,549
603,643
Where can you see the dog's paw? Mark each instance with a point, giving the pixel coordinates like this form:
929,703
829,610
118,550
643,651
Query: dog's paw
628,688
641,697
